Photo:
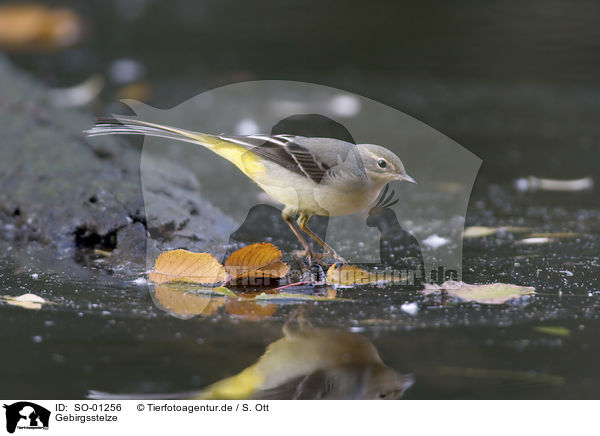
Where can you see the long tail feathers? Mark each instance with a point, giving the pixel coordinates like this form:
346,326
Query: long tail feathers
247,162
128,126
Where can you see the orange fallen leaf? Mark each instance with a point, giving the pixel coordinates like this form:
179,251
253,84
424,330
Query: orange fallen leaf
188,267
185,304
30,26
256,261
351,275
250,310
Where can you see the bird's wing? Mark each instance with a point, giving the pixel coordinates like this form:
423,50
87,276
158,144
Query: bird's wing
313,158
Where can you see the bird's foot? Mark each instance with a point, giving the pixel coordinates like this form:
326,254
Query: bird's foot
340,260
312,257
319,257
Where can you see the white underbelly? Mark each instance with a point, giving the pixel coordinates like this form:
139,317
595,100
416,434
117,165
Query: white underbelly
303,195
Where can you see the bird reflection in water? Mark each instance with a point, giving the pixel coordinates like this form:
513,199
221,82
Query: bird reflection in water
307,363
314,363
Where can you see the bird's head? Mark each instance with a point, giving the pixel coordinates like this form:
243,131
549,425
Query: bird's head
383,383
382,165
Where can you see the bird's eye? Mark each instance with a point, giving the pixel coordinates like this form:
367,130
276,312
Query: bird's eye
381,163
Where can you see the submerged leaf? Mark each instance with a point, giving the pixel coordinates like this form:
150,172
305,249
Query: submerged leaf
256,261
185,266
495,293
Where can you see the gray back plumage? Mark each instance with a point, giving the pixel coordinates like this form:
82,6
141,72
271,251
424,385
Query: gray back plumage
314,158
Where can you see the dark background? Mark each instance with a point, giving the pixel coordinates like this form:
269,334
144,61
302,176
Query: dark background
517,83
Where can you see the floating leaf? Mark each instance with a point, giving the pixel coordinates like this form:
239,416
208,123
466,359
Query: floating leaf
554,235
479,231
553,330
187,304
495,293
482,231
26,301
188,267
221,290
250,310
256,261
347,275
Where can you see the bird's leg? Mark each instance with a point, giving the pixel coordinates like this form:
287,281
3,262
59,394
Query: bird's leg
288,219
302,223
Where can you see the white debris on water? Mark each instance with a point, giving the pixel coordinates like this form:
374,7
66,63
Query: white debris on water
535,241
533,183
434,241
140,281
410,308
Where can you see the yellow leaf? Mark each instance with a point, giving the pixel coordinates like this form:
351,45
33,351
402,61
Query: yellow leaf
553,330
479,231
353,275
256,261
482,231
495,293
188,267
186,304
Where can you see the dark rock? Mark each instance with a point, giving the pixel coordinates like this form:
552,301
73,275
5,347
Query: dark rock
66,192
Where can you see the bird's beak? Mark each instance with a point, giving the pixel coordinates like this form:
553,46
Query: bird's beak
406,178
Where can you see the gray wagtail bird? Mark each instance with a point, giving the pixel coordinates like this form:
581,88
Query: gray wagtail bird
309,176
